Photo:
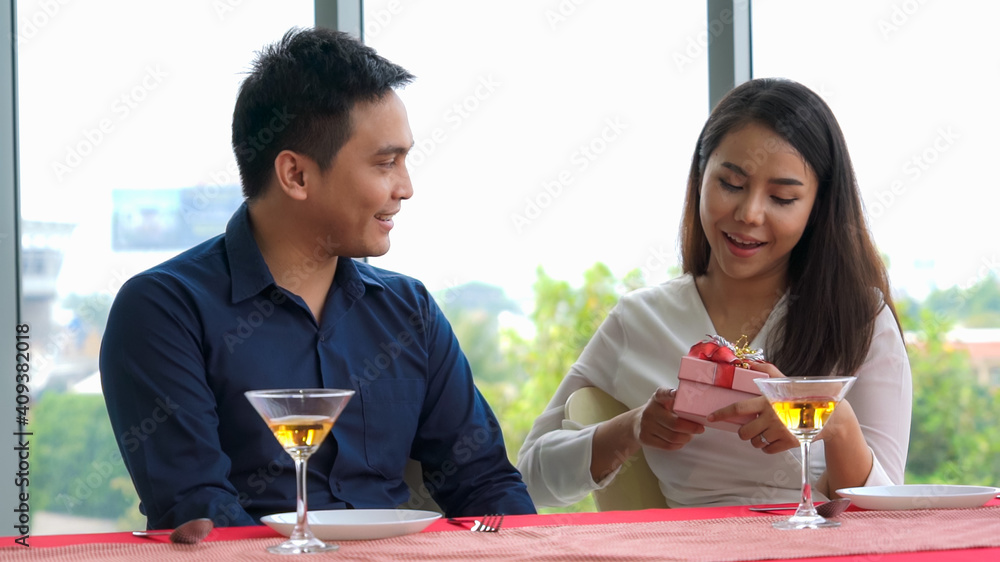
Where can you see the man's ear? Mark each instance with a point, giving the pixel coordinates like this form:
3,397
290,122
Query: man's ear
292,169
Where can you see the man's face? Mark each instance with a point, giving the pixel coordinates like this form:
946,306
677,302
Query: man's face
358,195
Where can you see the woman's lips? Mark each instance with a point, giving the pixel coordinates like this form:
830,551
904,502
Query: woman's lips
741,247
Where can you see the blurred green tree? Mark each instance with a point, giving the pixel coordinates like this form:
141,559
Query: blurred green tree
79,470
955,429
474,310
564,320
976,306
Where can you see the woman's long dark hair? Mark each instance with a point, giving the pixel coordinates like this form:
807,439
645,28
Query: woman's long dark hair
837,283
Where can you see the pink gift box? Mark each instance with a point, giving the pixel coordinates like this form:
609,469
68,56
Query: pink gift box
705,387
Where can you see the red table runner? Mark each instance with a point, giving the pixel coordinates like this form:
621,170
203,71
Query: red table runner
715,534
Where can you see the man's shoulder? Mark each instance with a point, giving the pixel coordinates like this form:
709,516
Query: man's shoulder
172,293
203,263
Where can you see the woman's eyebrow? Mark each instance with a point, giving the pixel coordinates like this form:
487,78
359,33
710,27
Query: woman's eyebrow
734,168
785,181
778,181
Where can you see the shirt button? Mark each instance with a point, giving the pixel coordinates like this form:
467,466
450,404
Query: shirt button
322,337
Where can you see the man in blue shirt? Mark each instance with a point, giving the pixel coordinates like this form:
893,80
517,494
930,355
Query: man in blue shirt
277,302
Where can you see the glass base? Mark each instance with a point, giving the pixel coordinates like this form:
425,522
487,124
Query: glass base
304,546
797,522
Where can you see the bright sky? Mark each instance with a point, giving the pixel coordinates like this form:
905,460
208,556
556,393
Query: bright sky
548,133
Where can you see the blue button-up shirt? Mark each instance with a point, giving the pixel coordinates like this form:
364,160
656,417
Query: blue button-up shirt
187,338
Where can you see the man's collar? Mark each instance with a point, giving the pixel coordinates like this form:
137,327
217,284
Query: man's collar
250,274
249,271
365,273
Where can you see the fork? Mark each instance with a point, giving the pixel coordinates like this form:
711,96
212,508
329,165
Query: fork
490,524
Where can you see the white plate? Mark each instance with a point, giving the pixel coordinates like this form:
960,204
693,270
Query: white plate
919,496
356,524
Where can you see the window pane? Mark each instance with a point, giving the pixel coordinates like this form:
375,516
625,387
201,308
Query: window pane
125,113
914,86
547,134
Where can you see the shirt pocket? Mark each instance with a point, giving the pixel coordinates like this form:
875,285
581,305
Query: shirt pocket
391,411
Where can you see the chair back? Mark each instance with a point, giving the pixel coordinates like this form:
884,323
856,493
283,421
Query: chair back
635,486
420,497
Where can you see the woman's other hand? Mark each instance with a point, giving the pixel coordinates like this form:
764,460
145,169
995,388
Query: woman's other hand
658,426
654,424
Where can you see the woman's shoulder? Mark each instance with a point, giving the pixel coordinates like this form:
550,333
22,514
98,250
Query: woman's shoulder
676,295
885,319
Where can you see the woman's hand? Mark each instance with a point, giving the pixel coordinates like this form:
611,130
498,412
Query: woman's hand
654,424
658,426
765,431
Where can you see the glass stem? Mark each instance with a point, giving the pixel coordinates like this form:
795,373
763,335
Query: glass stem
806,505
301,530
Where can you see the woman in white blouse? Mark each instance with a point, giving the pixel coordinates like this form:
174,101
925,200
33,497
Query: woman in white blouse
775,247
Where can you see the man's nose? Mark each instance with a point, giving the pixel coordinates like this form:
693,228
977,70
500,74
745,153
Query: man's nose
404,188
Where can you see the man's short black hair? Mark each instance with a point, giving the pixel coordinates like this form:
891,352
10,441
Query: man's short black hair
299,97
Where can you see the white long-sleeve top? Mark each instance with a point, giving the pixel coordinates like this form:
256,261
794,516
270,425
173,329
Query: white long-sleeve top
639,347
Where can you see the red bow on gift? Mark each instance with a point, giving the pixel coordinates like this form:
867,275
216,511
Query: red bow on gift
718,350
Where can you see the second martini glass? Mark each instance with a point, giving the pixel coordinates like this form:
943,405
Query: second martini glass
300,419
804,405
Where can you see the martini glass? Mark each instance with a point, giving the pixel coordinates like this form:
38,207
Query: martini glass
804,405
300,419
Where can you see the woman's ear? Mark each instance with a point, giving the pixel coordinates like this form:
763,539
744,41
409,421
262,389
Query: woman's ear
292,169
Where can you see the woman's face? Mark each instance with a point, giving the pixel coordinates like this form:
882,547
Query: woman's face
756,196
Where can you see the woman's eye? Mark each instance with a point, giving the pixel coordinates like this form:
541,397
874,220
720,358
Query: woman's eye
728,186
781,201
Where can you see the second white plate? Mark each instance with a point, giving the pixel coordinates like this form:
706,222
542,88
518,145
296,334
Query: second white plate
919,496
356,524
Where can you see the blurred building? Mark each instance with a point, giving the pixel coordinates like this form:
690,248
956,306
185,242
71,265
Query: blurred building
43,246
983,347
